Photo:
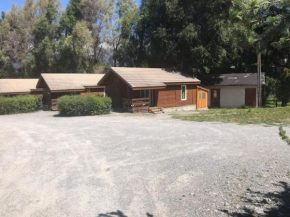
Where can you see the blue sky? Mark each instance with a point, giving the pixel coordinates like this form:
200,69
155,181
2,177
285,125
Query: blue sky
7,5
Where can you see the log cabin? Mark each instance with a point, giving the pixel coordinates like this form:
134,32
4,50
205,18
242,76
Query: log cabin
150,89
15,87
55,85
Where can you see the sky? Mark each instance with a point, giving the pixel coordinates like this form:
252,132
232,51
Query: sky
6,5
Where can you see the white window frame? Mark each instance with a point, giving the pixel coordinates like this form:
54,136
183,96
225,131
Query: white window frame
185,92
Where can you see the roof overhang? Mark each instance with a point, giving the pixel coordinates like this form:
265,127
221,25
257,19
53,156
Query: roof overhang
64,91
182,83
202,88
16,93
37,89
149,88
94,86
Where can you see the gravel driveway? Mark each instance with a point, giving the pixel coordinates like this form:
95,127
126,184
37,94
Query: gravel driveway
125,165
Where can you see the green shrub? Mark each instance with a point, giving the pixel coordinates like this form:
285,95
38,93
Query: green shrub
84,105
19,104
283,135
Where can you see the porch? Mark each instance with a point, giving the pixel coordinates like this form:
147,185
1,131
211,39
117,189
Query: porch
142,101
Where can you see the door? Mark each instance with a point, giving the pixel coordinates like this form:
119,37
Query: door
215,98
202,97
151,97
250,97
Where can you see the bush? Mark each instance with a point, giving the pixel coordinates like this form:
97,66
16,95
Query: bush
84,105
19,104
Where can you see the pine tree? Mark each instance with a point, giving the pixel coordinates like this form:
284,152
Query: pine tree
72,15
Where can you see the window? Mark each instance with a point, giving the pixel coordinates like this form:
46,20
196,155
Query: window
215,94
183,92
203,96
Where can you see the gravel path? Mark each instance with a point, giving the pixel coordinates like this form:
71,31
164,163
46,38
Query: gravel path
128,165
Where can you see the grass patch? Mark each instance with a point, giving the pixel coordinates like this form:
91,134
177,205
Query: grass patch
283,135
269,116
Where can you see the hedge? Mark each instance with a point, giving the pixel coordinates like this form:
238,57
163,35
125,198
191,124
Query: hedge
84,105
19,104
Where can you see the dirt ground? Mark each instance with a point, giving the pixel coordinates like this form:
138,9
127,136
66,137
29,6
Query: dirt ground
125,165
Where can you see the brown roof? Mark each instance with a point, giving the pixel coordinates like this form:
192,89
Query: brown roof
234,79
56,81
151,77
17,85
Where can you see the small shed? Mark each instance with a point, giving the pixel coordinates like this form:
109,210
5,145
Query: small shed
56,85
14,87
232,90
145,89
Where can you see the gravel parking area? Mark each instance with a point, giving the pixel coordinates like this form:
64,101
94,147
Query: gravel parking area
125,165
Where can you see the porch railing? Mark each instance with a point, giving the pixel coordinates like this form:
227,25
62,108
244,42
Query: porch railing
136,105
54,104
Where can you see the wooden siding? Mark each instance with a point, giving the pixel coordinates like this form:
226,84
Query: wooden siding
171,96
117,89
168,97
93,91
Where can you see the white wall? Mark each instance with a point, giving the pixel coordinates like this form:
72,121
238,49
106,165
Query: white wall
231,96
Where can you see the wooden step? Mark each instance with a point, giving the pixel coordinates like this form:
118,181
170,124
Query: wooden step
155,110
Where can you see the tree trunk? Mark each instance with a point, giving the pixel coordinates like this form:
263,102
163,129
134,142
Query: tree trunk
259,82
285,102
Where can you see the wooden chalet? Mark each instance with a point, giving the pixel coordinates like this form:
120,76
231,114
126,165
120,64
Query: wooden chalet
14,87
57,85
149,89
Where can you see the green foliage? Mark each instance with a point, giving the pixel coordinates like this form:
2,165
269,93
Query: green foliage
283,135
76,57
19,104
188,35
283,88
45,42
72,14
126,19
84,105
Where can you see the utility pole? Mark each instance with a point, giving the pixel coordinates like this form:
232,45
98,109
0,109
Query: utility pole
259,81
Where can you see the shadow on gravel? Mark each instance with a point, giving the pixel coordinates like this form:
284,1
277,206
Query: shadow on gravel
271,204
119,213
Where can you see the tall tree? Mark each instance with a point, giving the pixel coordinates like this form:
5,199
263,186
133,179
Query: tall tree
45,50
277,39
98,15
72,15
77,50
188,35
125,21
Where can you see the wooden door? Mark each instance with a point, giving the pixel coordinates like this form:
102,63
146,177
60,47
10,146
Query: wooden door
202,99
250,97
215,97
